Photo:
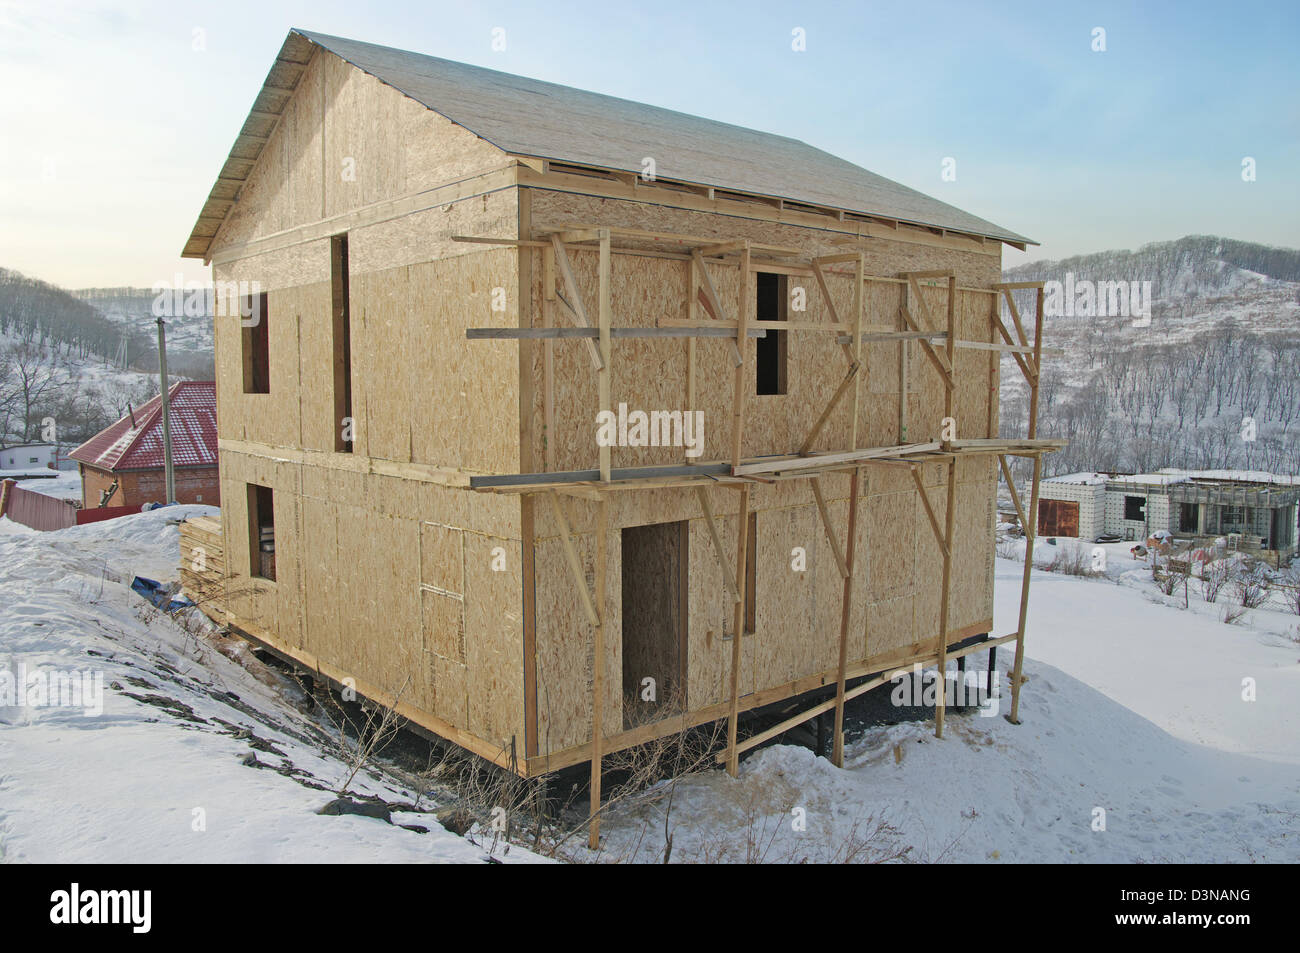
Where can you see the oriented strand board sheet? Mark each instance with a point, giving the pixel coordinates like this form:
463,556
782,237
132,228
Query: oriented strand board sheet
347,141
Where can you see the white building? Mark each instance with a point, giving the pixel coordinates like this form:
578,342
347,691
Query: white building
1255,510
1073,505
29,456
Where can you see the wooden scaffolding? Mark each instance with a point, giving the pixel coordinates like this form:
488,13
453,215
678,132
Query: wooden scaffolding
592,322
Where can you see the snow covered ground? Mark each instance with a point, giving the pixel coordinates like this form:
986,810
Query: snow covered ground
1132,706
1132,721
167,772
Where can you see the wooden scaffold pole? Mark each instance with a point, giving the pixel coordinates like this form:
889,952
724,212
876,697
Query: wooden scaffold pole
846,610
598,671
1031,517
742,516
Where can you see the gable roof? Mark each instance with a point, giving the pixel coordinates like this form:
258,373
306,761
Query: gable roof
532,118
138,444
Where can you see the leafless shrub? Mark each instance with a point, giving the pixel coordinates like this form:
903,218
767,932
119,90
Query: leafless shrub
359,743
1230,614
639,773
1008,549
869,840
1169,574
1289,589
1071,559
1250,586
1214,575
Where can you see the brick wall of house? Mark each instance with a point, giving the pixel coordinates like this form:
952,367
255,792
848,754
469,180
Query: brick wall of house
193,485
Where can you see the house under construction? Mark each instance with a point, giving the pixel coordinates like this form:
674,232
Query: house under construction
562,422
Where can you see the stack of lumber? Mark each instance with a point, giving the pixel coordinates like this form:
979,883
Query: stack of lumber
203,564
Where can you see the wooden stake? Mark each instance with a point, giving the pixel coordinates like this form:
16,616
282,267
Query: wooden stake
845,611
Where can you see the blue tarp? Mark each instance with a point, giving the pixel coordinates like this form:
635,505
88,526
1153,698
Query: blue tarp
158,594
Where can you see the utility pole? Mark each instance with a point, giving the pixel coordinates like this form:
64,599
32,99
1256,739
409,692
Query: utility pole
166,413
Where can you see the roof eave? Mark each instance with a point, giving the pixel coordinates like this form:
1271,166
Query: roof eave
260,124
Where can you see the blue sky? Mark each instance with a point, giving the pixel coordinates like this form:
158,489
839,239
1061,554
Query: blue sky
114,126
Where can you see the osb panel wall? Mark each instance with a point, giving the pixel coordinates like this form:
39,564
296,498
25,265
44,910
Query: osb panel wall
347,141
381,577
650,374
896,587
894,603
421,392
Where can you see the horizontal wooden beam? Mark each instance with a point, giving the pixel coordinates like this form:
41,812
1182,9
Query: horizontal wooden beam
481,240
519,334
784,464
540,480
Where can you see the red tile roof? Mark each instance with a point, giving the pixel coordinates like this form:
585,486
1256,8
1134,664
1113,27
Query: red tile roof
138,446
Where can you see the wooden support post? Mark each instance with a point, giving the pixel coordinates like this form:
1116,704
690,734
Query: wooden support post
1031,518
738,622
995,370
692,313
548,357
859,319
598,673
951,344
606,317
739,376
742,528
949,518
846,610
904,358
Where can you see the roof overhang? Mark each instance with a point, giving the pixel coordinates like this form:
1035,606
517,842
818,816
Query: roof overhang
268,107
282,80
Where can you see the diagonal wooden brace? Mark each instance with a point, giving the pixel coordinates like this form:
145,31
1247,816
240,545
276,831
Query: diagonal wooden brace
575,307
727,574
929,511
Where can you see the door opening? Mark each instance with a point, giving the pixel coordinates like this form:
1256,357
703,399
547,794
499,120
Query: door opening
655,592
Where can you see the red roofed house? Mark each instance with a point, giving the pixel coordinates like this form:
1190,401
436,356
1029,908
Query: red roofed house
130,452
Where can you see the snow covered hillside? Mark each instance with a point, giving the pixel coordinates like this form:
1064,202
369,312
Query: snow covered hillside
1133,707
1207,379
132,308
